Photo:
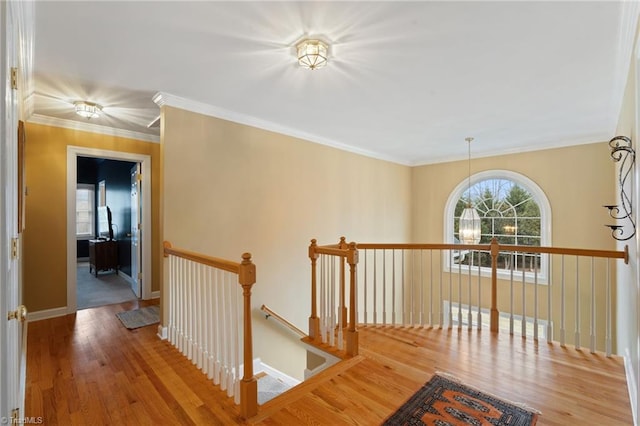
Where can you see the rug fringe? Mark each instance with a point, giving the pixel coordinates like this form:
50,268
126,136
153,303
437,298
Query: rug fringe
456,379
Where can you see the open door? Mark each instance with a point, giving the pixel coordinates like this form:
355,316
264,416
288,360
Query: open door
136,246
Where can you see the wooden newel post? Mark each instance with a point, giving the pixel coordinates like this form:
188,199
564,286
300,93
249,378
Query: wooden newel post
342,245
165,245
495,250
249,384
314,321
352,331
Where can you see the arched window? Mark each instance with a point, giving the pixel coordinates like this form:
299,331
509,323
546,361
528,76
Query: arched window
513,209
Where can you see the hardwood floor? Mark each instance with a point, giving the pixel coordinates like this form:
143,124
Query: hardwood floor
88,369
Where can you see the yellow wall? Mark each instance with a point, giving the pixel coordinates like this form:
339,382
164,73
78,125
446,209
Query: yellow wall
230,188
577,181
45,235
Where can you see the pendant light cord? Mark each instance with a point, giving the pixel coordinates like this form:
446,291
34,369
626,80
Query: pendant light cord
469,164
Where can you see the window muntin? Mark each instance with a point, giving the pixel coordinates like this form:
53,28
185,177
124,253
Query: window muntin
85,211
513,209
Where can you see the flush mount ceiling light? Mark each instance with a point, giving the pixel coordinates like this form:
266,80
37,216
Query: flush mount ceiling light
87,110
312,54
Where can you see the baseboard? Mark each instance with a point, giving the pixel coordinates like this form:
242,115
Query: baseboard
155,294
632,385
126,277
82,259
47,313
162,332
260,367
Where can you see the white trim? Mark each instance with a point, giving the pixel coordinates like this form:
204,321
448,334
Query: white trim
163,333
92,128
162,99
72,153
47,313
261,367
91,234
626,39
125,277
155,294
632,384
531,186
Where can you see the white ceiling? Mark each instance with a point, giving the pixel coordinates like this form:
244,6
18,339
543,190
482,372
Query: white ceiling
406,81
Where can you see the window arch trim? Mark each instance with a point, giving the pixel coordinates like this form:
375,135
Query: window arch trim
538,195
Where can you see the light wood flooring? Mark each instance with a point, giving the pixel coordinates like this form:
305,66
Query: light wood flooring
88,369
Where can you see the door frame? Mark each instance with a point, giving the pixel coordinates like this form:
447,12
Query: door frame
135,282
73,152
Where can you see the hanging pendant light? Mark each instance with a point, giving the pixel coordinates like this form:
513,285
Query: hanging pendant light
469,222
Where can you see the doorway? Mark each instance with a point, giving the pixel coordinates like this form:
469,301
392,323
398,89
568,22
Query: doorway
107,269
143,238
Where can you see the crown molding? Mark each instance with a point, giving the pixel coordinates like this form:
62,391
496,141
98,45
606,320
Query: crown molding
166,99
627,39
498,152
92,128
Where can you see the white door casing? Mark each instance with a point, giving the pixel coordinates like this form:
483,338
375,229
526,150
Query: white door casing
136,231
73,152
16,19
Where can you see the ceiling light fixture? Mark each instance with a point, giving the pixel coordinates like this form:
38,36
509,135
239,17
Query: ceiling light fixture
312,54
469,223
87,110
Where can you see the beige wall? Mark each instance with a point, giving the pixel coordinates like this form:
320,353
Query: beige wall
577,182
45,235
628,300
230,188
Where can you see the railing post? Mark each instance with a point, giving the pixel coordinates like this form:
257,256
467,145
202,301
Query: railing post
495,250
314,321
249,384
352,332
342,245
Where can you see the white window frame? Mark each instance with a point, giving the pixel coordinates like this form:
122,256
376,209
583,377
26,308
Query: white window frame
91,234
545,223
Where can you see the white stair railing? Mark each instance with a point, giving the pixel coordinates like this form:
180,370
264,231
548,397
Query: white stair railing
525,290
209,319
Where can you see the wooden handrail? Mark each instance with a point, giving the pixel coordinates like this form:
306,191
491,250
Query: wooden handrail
271,313
348,253
501,247
214,262
332,251
246,272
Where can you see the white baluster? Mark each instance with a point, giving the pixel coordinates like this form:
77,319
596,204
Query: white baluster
608,311
384,287
549,305
592,326
479,294
375,287
514,264
535,298
393,287
577,327
562,309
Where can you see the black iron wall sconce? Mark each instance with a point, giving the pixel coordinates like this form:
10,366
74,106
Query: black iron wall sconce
621,151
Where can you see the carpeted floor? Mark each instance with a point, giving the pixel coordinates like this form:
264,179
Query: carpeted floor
106,289
270,387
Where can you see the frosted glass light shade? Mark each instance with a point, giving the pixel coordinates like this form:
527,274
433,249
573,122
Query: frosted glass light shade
469,226
87,109
312,54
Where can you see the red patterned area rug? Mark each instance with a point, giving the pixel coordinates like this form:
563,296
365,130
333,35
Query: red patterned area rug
444,401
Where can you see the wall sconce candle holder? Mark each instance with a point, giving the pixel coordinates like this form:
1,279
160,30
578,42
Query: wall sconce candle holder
621,151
